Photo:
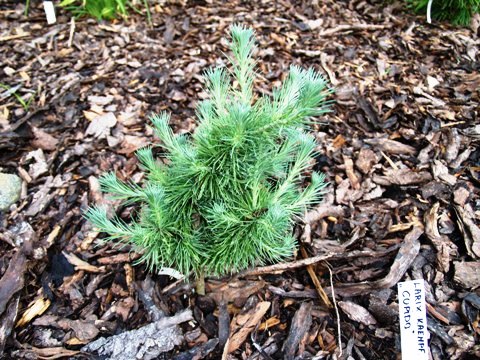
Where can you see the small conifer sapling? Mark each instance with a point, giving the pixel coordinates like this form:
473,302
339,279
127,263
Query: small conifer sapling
226,198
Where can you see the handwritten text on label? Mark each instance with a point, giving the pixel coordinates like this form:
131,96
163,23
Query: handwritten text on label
413,320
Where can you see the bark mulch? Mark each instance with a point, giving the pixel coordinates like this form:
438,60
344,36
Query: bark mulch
400,150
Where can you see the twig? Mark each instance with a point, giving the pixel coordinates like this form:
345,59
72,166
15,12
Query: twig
348,27
339,330
279,268
72,32
166,289
316,282
14,37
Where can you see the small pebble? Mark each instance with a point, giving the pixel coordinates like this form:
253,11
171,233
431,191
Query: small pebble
10,189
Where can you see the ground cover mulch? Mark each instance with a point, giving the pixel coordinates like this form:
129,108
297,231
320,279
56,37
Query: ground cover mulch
400,150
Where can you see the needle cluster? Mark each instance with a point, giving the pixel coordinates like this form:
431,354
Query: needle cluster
227,197
459,12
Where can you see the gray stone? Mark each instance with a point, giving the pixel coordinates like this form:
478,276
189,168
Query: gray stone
10,189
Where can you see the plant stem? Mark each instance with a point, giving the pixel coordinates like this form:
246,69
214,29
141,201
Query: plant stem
149,14
27,7
200,284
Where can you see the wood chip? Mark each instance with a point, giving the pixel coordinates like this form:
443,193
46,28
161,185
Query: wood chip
391,146
12,279
100,125
244,323
301,322
81,264
36,308
467,274
357,313
402,177
471,232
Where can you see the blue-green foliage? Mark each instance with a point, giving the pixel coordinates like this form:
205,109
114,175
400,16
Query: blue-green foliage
227,197
457,11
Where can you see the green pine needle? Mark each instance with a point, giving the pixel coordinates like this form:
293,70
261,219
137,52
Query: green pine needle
226,198
459,12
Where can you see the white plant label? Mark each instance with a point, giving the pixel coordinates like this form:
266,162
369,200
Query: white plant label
49,12
413,320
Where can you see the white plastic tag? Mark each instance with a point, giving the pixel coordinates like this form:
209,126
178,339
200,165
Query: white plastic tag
49,12
413,320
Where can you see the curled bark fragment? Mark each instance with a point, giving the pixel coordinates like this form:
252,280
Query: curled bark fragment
407,253
323,211
354,181
445,248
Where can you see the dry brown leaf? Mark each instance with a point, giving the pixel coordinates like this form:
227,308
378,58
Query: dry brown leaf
232,290
365,161
132,143
44,140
